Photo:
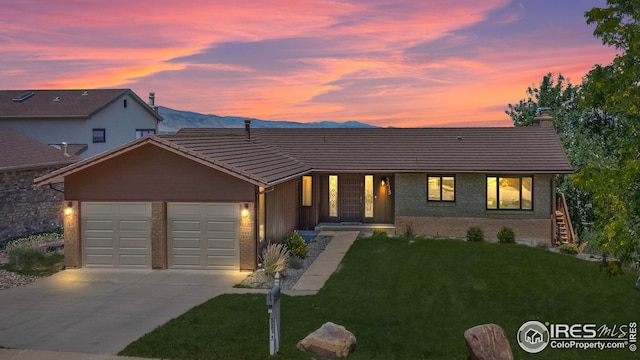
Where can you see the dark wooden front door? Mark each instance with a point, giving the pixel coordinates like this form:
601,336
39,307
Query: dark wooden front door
350,198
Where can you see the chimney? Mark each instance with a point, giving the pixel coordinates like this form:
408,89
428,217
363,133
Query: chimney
543,117
247,129
152,101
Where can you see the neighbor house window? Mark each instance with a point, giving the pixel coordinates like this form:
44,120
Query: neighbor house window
99,135
441,188
368,196
333,195
144,132
510,193
307,193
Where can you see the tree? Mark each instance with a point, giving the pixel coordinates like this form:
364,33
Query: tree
614,90
584,140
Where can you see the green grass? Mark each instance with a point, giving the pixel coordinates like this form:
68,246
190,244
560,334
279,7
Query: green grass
412,301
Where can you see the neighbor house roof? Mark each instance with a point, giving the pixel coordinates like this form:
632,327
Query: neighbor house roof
57,104
271,156
20,152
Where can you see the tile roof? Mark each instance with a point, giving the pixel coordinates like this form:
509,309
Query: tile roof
272,156
510,149
20,152
80,104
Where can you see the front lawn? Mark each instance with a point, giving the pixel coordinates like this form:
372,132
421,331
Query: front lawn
406,299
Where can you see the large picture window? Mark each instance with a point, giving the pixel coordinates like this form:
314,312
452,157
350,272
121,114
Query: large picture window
441,188
510,193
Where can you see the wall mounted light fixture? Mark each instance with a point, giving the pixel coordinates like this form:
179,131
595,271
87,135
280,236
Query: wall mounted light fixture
69,209
245,211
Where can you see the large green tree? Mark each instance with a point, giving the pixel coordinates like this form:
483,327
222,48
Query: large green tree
580,131
614,90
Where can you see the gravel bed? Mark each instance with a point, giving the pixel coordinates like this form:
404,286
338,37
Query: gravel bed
291,276
10,279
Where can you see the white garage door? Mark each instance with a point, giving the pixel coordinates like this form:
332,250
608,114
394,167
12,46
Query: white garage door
116,234
203,235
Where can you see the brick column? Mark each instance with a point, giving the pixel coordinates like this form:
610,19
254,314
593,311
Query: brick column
159,235
247,238
72,235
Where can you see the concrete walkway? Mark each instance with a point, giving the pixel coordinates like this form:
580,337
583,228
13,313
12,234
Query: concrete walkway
309,284
327,262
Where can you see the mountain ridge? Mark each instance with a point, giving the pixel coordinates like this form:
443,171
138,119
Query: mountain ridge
174,120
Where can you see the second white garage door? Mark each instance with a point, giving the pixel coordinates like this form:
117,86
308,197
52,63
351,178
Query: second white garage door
203,235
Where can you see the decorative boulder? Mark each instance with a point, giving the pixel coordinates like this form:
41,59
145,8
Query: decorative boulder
488,342
330,340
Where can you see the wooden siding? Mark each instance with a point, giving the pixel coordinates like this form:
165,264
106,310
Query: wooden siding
282,210
153,174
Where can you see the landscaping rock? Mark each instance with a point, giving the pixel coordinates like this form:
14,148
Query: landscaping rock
330,340
488,342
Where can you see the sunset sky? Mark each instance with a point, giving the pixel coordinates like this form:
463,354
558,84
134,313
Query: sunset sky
404,63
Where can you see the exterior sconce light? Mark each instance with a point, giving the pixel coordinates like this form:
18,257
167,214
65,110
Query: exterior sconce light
385,182
245,211
69,209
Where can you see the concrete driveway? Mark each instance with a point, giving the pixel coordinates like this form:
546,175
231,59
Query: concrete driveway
101,311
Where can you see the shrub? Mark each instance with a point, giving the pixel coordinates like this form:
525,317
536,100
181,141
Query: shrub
274,259
25,258
611,267
408,232
296,245
506,236
474,233
377,233
568,248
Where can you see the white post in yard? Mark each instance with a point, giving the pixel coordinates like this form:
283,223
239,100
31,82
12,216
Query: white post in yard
273,304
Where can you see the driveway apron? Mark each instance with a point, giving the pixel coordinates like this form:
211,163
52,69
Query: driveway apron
101,311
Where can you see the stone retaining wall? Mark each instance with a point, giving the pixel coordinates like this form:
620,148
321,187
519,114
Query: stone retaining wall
26,209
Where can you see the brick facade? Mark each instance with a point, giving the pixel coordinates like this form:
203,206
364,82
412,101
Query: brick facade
530,231
247,238
159,235
26,209
452,219
72,238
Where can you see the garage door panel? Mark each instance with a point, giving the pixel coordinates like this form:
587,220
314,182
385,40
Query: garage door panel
220,261
221,211
116,234
99,242
134,244
141,225
191,261
133,260
100,260
142,210
203,236
99,225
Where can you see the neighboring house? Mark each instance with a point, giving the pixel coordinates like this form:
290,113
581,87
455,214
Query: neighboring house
206,198
24,208
90,121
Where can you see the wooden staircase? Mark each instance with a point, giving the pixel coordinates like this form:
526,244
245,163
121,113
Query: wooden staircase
563,229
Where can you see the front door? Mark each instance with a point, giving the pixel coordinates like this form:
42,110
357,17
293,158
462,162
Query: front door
350,198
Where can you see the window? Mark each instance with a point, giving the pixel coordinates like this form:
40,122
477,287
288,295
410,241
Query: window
99,135
307,194
333,195
368,196
510,193
441,188
143,132
124,103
